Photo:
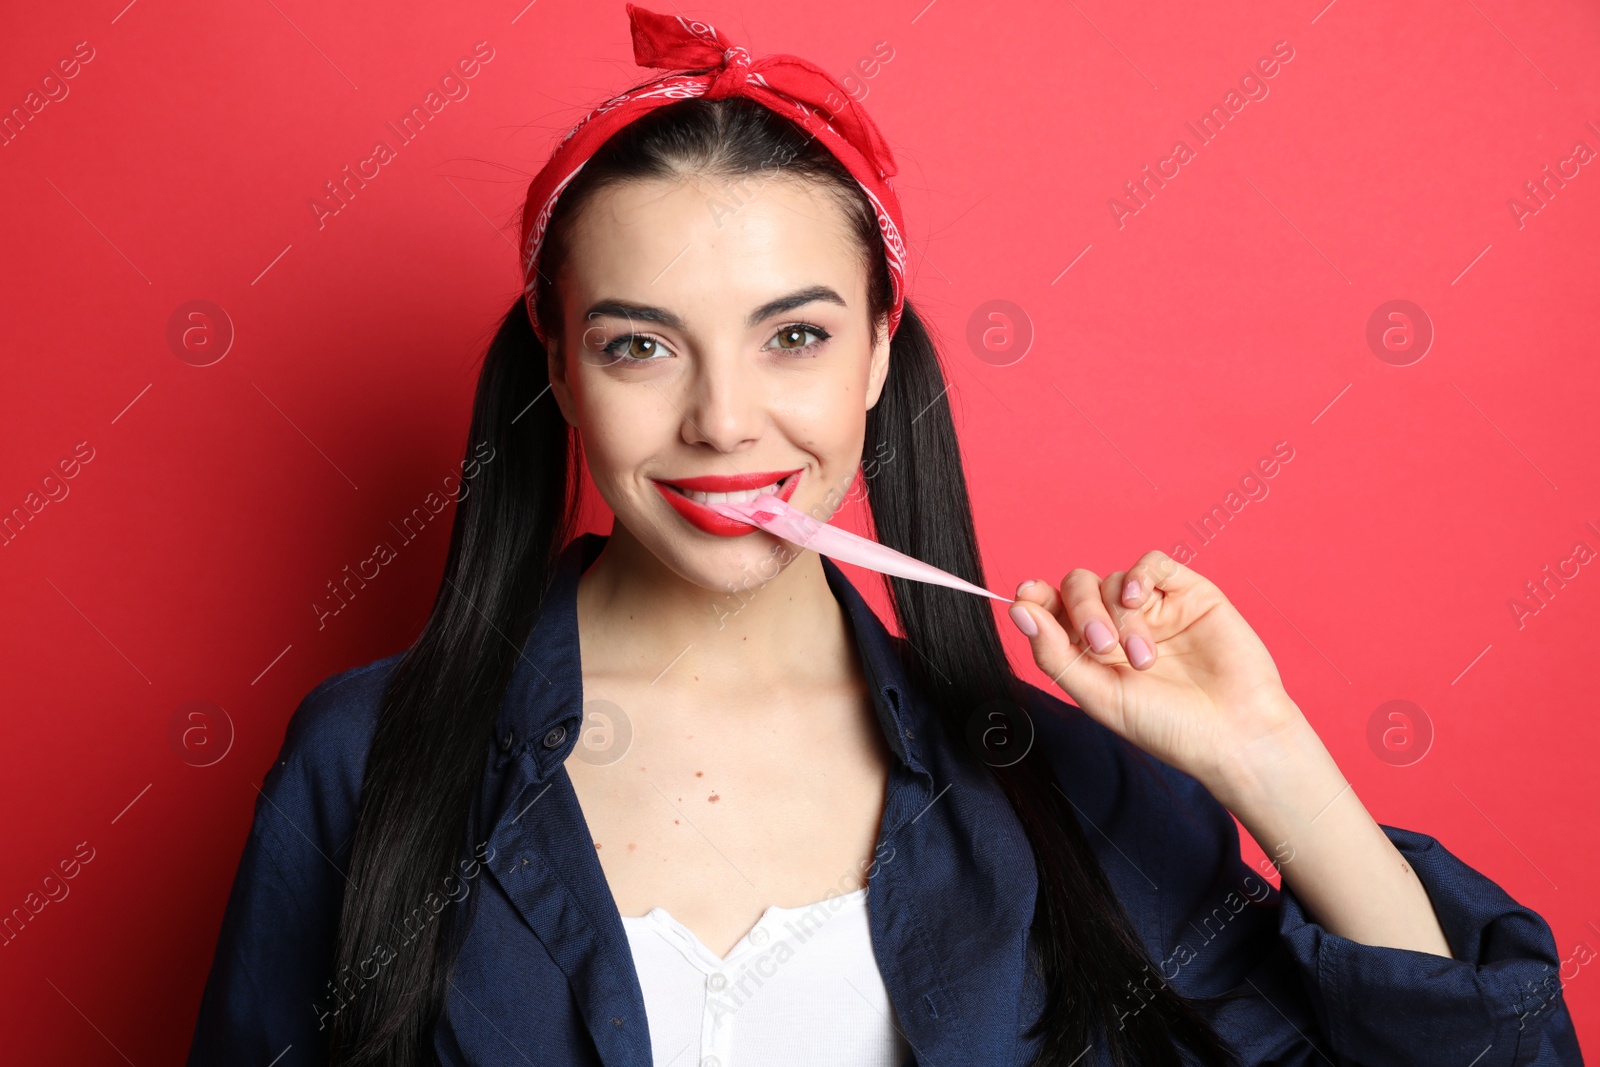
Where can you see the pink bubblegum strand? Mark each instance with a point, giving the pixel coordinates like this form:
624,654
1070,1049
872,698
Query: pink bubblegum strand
779,518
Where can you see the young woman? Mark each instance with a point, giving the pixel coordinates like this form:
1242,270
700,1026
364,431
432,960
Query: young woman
677,796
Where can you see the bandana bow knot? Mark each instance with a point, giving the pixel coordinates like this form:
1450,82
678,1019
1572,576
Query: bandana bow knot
788,85
735,73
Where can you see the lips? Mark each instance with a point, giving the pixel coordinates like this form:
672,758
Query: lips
677,490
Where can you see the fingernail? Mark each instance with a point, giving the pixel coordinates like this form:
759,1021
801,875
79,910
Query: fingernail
1130,591
1139,653
1024,621
1099,635
1024,585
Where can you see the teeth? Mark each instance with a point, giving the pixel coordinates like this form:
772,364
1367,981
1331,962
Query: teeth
743,496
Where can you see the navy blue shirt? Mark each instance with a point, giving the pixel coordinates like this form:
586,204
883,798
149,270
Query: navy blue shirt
545,975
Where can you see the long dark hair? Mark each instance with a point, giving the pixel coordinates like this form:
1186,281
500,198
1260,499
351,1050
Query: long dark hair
428,754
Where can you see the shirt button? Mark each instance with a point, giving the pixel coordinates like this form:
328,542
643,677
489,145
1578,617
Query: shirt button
710,1061
717,982
556,735
505,742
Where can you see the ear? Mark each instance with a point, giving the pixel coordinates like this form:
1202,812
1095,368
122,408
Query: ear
557,367
878,368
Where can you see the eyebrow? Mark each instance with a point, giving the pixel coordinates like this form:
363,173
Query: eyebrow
627,309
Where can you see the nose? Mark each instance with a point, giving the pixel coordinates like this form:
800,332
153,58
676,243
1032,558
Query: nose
726,404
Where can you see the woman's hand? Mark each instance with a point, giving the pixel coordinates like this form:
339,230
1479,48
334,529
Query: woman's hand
1160,656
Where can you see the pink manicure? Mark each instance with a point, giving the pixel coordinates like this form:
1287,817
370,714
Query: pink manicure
1099,636
1024,621
1139,653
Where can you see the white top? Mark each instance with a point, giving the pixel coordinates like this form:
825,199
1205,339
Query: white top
800,989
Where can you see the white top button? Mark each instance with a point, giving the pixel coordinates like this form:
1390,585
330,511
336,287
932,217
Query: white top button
801,989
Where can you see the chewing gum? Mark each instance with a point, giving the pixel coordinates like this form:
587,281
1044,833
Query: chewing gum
778,518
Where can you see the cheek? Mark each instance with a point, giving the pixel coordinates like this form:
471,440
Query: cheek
621,425
827,418
830,431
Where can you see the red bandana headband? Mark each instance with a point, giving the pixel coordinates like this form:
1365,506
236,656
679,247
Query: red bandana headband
788,85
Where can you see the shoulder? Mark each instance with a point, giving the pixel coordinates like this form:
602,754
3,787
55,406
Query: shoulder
1167,845
312,792
337,718
276,945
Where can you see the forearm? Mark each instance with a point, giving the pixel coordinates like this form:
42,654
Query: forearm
1294,801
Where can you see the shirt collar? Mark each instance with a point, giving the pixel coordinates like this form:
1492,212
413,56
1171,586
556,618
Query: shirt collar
541,711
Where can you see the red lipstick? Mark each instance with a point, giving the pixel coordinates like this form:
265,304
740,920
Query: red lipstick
702,517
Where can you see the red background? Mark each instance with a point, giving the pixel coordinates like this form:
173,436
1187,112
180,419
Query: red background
1228,314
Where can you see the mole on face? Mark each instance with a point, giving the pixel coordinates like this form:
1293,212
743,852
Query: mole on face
713,798
699,774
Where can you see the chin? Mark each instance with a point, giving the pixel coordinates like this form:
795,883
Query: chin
722,566
723,556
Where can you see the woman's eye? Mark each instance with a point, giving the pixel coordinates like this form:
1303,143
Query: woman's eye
642,348
636,347
792,338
